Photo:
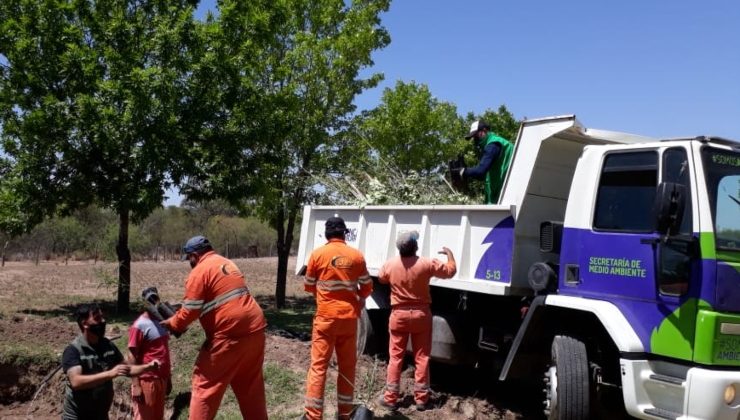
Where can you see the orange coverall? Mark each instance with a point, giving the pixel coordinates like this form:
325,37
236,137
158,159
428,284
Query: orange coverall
337,275
410,316
234,350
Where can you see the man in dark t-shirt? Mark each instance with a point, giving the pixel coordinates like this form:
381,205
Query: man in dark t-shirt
90,362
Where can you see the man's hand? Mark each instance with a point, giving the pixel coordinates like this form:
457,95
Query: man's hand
153,365
447,252
120,370
166,325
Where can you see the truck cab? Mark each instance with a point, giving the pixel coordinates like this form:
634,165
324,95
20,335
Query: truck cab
609,266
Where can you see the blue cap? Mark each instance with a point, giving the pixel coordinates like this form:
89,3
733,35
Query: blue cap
195,244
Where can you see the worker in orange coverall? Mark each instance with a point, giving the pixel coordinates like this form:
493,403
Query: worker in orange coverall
408,276
337,276
234,350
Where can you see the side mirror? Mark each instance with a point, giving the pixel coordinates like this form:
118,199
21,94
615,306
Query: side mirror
668,208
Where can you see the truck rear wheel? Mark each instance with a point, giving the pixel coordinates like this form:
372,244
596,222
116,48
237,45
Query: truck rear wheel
364,332
567,380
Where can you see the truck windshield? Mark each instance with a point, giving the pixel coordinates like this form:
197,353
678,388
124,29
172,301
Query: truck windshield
723,183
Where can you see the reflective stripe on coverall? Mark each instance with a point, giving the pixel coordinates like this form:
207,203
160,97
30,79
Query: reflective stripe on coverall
410,316
234,349
337,275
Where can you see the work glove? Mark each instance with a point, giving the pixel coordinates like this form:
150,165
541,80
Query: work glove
457,171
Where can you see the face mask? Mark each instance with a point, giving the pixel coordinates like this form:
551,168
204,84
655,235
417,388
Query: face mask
97,330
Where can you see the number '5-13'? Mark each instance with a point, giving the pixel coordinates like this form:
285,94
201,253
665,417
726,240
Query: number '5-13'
493,275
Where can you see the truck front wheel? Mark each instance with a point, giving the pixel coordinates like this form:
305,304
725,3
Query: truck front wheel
567,380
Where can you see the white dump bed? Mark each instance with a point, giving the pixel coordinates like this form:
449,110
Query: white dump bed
373,230
494,245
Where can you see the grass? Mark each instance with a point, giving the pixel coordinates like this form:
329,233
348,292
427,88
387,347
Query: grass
24,354
281,388
296,320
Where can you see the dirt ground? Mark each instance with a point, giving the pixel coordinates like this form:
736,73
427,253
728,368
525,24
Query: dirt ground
35,302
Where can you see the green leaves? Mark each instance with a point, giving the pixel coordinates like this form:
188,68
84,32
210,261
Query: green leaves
92,96
91,103
397,153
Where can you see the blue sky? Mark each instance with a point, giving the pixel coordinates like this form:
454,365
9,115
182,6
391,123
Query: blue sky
656,68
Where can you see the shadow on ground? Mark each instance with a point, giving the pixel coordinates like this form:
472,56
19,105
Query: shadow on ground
182,401
109,307
295,318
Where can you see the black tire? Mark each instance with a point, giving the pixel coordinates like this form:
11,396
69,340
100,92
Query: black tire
364,332
372,332
567,380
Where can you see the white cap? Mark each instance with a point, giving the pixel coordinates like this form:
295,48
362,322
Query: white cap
475,126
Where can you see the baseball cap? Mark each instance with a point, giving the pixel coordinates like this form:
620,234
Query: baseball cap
335,224
475,126
195,244
407,238
406,242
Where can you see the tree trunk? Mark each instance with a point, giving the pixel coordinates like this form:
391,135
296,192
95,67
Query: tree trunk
5,247
124,263
156,254
284,243
282,268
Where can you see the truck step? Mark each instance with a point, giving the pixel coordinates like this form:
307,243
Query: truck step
667,379
663,414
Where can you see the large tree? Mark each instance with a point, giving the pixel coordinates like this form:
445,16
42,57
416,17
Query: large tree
285,91
92,102
397,153
410,129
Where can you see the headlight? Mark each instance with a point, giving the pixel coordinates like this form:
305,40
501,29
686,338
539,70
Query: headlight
729,394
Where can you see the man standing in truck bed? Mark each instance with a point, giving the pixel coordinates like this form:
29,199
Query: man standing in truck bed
337,276
493,164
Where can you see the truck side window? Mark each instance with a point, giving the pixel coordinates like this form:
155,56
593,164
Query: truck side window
676,254
626,192
676,169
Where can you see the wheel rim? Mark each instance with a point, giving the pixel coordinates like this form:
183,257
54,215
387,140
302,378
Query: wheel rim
551,390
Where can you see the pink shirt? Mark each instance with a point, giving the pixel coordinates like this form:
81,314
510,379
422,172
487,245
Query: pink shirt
147,341
409,278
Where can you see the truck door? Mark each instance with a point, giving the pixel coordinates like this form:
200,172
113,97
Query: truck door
677,262
622,259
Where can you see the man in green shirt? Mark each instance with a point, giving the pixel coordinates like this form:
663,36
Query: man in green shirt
493,164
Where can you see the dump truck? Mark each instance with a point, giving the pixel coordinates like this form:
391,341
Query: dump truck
610,264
